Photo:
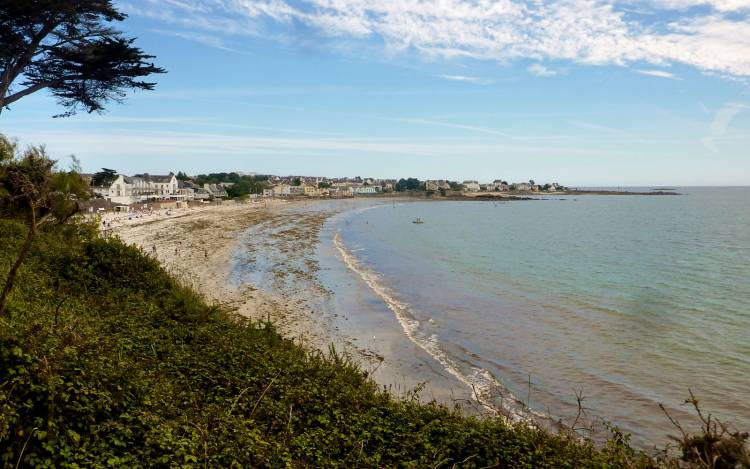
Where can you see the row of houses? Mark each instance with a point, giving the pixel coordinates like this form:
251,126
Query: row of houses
326,190
127,190
499,185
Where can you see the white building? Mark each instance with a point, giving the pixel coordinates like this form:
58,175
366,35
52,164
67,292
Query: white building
282,190
216,191
431,185
523,186
500,185
471,186
189,190
340,190
128,190
365,190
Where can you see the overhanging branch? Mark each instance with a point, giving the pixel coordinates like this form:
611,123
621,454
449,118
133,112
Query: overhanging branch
31,89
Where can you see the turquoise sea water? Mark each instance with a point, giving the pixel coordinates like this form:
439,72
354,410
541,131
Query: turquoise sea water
630,299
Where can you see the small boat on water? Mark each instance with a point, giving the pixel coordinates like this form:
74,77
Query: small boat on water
418,221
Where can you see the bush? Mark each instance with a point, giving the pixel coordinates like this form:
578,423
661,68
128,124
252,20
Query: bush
106,360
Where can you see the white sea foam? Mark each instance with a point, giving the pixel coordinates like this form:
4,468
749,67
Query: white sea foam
480,381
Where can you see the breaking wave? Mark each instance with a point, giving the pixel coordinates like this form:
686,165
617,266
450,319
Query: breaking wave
480,381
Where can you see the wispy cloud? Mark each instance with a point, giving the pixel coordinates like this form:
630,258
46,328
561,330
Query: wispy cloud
452,125
482,130
718,5
715,38
541,71
467,79
210,40
659,74
603,129
168,145
720,124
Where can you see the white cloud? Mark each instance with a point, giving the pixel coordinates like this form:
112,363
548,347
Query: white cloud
181,144
718,5
659,74
714,39
721,122
210,40
451,125
477,80
541,71
594,127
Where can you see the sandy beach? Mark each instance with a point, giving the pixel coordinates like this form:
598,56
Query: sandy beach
206,247
197,245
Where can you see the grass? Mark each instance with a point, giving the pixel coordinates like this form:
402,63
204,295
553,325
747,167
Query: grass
105,360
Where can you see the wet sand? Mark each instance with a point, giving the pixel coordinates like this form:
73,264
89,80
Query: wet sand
197,246
212,248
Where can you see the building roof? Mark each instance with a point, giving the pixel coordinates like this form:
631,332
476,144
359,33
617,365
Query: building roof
157,178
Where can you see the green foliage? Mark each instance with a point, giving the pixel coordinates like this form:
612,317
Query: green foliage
105,177
32,191
243,185
7,148
411,184
107,360
70,49
28,183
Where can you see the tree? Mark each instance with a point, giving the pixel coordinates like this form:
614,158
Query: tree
324,185
69,48
182,176
296,182
411,184
7,149
30,189
105,177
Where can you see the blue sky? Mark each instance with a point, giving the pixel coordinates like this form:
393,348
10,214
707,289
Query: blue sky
584,92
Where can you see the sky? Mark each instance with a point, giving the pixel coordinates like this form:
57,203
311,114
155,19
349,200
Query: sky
580,92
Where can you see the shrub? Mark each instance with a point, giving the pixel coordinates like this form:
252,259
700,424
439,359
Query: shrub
106,360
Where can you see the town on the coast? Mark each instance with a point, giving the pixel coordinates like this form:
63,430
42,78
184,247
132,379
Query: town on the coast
119,192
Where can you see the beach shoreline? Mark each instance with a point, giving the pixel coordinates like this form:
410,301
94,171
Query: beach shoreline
198,245
206,247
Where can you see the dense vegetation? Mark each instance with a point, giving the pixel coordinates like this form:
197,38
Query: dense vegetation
106,360
411,184
242,184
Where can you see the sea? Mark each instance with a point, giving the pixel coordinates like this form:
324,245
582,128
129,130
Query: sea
611,304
